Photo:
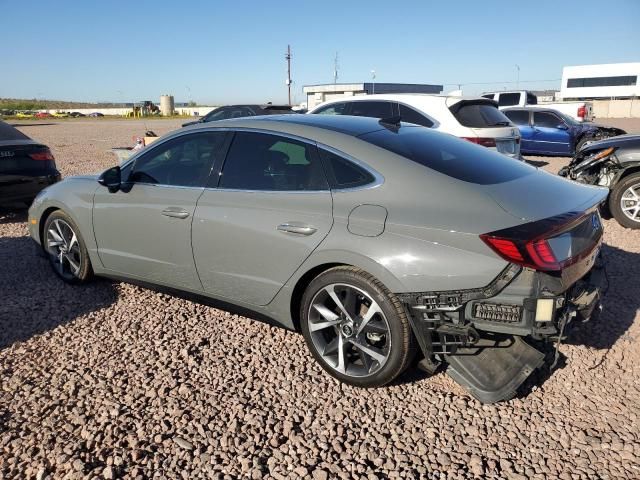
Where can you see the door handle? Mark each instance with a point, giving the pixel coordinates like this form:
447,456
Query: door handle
175,212
298,229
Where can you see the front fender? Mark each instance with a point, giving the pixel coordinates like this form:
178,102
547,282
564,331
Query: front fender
75,198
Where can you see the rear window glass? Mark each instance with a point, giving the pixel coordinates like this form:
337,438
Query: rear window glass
450,156
509,99
479,115
333,109
7,132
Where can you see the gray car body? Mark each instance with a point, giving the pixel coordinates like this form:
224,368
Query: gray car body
414,229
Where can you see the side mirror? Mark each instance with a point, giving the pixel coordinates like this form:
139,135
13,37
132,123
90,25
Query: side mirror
562,126
112,179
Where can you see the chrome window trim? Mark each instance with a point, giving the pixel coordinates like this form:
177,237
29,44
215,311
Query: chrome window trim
378,178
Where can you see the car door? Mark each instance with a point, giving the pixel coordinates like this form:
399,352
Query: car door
550,134
143,230
520,118
271,208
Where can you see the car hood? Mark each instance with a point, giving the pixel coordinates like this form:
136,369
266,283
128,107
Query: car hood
542,195
628,141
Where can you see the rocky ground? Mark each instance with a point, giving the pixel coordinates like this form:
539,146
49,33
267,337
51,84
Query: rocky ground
112,380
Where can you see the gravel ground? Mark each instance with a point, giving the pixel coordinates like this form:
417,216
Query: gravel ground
112,380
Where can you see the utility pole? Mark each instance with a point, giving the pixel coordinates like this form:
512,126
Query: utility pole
373,78
335,69
518,76
288,57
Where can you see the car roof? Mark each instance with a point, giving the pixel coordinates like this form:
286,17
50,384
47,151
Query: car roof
345,124
435,97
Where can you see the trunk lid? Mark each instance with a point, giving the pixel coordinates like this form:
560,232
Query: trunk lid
542,195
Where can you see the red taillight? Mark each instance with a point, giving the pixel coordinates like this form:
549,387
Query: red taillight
505,248
43,155
582,111
485,142
532,244
542,255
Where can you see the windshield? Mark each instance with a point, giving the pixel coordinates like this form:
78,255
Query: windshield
449,155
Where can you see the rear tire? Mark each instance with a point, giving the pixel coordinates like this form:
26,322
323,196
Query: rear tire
65,247
366,339
624,201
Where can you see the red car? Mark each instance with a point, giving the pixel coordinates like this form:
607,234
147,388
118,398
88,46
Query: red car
43,115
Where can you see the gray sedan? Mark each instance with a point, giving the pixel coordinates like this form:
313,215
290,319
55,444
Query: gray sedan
378,240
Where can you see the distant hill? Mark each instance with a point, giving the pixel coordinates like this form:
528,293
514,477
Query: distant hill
35,104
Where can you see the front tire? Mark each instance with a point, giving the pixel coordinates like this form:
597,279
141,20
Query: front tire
355,328
624,201
66,249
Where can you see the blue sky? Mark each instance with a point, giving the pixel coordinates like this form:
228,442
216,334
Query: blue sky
228,52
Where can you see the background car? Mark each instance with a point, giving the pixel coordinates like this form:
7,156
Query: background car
372,239
26,166
60,114
546,131
579,111
43,115
477,120
77,114
237,111
96,114
24,114
613,163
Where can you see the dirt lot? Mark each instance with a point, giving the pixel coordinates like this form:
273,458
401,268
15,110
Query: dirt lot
112,380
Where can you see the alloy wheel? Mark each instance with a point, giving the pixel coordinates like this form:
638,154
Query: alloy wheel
349,330
64,249
630,202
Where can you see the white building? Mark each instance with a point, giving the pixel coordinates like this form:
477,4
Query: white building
317,94
606,81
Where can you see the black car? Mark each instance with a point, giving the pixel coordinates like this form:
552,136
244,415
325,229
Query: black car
26,166
237,111
613,163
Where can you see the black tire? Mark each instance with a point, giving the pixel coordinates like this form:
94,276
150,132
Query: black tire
615,200
582,141
401,347
76,255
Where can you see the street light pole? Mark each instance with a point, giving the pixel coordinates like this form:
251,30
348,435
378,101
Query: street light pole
518,77
288,57
373,78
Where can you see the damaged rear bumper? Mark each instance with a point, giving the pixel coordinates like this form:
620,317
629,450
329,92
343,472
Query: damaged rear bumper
485,335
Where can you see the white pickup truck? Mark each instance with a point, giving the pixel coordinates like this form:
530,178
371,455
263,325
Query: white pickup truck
580,111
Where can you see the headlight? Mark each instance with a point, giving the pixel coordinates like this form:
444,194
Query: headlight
591,160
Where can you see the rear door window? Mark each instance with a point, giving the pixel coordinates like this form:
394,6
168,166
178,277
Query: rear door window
479,114
518,117
449,155
408,114
509,99
546,120
372,109
259,161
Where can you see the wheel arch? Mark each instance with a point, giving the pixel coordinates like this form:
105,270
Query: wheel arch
43,221
323,261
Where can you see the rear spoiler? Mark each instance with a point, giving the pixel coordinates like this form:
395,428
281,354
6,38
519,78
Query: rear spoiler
476,101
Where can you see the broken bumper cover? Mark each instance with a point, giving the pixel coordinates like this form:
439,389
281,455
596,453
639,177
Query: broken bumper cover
481,333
